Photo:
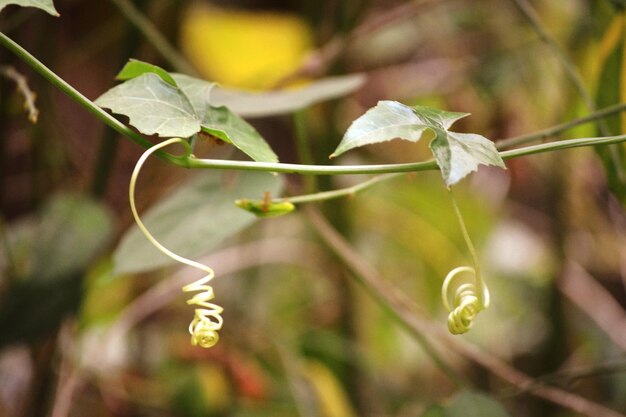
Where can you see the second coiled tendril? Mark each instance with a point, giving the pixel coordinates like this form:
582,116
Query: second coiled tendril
207,320
464,298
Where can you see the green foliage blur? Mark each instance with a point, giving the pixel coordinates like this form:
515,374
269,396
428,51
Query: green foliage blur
93,322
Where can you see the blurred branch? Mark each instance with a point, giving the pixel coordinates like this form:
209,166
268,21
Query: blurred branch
69,378
560,128
22,86
570,69
591,297
380,292
318,62
303,398
413,319
572,73
155,37
569,376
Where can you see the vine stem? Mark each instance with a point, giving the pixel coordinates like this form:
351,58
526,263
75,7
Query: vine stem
480,284
560,128
195,163
75,95
571,72
502,144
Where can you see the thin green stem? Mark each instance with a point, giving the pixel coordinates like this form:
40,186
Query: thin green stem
430,165
503,144
75,95
342,192
570,69
155,37
572,73
468,241
560,128
196,163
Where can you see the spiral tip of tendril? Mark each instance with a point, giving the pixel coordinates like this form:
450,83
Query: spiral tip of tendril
464,302
205,338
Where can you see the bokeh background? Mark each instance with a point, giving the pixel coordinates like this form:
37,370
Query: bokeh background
302,337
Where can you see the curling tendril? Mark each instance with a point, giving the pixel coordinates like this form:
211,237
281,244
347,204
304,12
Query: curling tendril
207,320
464,298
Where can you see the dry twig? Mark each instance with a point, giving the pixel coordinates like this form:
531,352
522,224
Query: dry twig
22,86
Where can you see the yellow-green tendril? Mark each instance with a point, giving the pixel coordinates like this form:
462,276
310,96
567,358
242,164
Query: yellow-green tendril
207,320
464,298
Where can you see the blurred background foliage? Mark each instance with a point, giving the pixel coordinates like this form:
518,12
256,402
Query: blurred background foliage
301,337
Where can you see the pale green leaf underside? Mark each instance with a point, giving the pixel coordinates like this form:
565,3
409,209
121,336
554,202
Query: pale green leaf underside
60,240
226,125
457,154
247,104
153,106
388,120
438,117
194,219
45,5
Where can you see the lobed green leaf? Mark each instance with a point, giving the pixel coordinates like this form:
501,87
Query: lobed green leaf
177,105
457,154
153,106
388,120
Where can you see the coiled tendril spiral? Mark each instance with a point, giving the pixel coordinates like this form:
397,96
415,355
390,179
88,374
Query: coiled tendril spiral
464,300
207,320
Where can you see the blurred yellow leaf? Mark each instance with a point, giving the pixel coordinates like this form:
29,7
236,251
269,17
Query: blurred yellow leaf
244,49
333,401
214,385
